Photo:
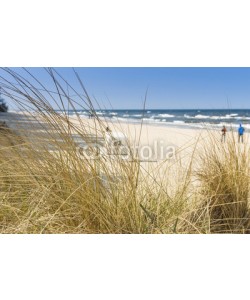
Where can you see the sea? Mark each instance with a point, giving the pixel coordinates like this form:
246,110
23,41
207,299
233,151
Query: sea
197,118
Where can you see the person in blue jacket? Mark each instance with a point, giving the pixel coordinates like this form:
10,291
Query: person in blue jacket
241,130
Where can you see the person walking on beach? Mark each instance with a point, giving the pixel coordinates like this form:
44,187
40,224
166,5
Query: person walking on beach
223,135
241,130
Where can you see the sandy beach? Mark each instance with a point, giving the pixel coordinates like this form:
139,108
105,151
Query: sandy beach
183,139
161,149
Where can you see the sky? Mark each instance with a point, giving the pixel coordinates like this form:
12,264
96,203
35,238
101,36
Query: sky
167,88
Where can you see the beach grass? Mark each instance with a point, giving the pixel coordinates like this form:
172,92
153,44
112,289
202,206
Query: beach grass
49,184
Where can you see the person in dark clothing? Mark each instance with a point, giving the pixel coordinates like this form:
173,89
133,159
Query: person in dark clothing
223,135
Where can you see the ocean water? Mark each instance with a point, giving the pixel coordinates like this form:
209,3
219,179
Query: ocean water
185,117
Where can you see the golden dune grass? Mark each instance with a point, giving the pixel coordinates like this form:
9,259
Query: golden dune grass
48,186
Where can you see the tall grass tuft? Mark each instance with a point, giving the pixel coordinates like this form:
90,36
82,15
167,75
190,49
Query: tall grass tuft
224,187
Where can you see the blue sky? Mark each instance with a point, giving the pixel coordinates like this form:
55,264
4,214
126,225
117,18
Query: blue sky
168,88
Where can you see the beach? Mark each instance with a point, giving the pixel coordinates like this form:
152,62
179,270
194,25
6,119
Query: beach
159,148
68,174
182,138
